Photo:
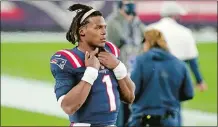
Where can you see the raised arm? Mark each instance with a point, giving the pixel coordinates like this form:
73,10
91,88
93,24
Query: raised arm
72,98
126,85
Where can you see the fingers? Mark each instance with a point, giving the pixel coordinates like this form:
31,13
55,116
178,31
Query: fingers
201,87
104,55
87,55
93,53
102,60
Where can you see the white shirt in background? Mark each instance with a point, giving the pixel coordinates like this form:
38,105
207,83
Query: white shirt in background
180,41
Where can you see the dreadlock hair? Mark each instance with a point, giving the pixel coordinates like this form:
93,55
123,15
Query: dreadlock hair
73,33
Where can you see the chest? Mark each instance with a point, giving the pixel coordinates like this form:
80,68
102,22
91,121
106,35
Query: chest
106,79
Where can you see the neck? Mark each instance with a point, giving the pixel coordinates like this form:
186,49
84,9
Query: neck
84,47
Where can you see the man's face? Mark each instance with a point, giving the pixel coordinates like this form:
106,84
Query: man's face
95,32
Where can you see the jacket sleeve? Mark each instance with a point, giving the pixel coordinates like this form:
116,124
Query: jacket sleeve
195,69
186,90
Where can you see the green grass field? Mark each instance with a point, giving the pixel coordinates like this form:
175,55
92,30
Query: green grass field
206,101
32,61
15,117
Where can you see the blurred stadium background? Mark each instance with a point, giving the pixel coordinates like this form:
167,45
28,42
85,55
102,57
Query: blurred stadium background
31,31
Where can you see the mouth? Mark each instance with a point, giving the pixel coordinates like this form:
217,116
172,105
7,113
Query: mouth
103,39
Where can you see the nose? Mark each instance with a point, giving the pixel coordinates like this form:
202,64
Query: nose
104,31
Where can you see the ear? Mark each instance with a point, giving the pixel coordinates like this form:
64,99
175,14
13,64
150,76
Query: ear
82,32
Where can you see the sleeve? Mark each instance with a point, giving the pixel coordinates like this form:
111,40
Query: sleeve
195,69
186,90
136,75
62,73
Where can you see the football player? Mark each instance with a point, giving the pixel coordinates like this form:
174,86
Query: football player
90,79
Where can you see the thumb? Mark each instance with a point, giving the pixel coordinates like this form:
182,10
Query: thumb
95,51
86,56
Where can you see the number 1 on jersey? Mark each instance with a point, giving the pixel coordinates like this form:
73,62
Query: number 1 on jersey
110,93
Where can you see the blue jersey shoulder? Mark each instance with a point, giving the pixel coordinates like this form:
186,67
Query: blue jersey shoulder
113,49
59,61
64,66
66,59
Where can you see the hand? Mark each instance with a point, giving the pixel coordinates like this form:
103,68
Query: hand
108,60
202,87
91,60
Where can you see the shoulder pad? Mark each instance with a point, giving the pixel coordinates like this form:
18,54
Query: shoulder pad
62,56
114,49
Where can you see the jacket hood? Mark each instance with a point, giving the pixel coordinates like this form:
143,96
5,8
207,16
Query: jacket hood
160,54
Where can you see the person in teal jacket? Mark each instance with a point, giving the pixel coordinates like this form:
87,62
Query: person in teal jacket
162,82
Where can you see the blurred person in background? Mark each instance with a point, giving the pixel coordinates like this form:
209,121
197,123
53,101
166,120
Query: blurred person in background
125,30
162,82
179,38
90,80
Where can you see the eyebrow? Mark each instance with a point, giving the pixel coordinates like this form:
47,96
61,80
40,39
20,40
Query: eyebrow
101,25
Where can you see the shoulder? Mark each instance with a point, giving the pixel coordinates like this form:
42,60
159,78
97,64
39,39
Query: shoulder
152,26
143,58
65,58
146,55
143,64
113,48
179,63
182,66
184,29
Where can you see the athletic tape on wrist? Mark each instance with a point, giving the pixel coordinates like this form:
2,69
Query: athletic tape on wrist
90,75
120,71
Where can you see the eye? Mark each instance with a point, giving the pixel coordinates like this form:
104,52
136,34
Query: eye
97,27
